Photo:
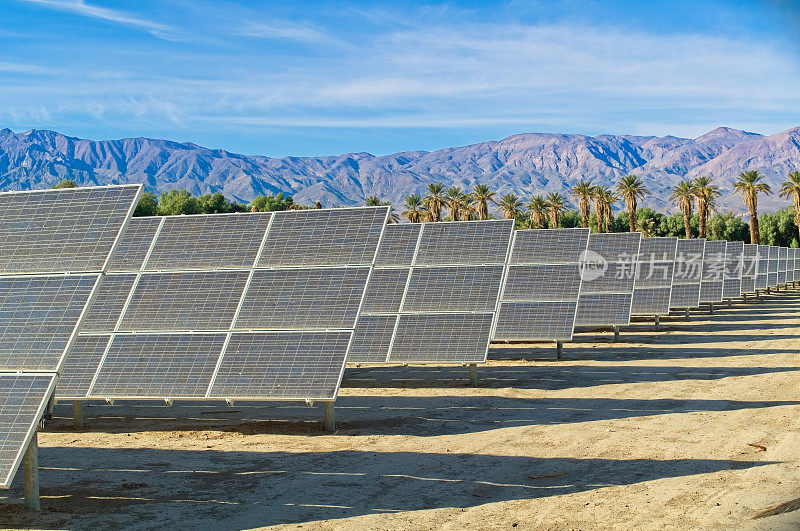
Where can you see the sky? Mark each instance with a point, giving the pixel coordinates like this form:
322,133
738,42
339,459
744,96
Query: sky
323,78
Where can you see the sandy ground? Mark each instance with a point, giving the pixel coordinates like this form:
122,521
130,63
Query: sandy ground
650,432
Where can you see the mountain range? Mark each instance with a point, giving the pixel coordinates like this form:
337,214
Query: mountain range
525,164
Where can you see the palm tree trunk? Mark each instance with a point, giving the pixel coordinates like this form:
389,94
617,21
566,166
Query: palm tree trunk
754,237
632,220
584,206
687,223
702,213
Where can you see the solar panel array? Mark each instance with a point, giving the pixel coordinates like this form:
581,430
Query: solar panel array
750,265
732,274
654,275
55,246
540,294
434,293
608,279
688,273
712,282
790,265
796,277
228,306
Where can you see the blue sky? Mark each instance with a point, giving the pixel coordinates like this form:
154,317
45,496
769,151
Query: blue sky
319,78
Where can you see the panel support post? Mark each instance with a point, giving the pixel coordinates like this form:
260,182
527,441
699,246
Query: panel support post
30,464
473,374
655,323
330,417
77,414
767,290
744,297
730,303
686,315
559,347
710,307
616,332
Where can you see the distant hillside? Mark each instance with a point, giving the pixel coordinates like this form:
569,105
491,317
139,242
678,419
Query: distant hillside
524,164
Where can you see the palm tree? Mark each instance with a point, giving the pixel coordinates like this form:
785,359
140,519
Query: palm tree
537,208
631,188
373,200
414,210
555,205
748,184
452,198
683,195
705,197
482,195
791,188
510,204
603,199
433,201
467,208
583,191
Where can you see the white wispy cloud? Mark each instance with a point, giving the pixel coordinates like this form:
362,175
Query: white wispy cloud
80,7
283,30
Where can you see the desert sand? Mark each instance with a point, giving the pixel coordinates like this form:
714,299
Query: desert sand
654,431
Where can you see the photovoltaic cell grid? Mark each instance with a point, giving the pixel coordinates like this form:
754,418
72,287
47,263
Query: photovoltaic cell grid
193,314
763,267
749,268
55,244
23,398
713,271
790,266
688,273
656,267
732,275
783,255
796,265
433,295
540,295
772,271
607,288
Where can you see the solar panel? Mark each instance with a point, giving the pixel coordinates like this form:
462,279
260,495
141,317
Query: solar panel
656,268
543,281
772,271
38,317
463,242
134,243
453,289
110,297
732,274
783,254
446,337
80,366
608,279
339,236
398,245
444,278
797,265
323,298
214,241
23,398
790,266
749,268
763,267
713,271
158,365
282,365
688,272
64,230
193,300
